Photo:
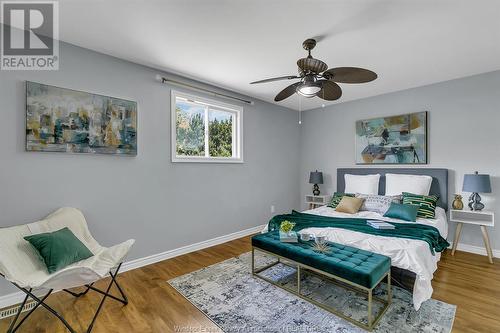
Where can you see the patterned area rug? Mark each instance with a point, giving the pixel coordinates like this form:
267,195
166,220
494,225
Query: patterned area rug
238,302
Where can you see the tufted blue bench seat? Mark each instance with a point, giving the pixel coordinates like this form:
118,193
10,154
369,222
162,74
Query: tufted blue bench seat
358,268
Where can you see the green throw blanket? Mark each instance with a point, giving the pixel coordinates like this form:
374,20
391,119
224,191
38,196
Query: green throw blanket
403,230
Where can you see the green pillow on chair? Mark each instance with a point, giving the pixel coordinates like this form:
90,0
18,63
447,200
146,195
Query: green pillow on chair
59,249
402,212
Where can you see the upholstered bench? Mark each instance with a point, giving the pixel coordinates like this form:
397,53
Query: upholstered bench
357,268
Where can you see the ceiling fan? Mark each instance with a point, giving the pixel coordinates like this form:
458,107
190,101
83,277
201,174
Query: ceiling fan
317,80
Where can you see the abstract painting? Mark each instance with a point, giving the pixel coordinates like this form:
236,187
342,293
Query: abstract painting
392,140
65,120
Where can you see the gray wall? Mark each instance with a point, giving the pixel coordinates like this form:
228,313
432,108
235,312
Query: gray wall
464,120
162,205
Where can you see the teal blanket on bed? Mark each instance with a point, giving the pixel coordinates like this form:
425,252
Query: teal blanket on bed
426,233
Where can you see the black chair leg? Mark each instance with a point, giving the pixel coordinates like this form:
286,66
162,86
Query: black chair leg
19,311
41,302
91,326
125,299
79,294
122,300
38,303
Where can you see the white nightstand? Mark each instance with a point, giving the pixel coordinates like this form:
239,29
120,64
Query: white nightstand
481,218
317,200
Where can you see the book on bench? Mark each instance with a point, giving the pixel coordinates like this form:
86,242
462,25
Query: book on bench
380,224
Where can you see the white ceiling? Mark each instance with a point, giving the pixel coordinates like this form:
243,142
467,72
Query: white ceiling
230,43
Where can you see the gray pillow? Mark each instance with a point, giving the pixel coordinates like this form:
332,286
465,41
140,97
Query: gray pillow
377,203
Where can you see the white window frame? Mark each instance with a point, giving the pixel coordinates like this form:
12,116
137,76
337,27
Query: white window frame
215,105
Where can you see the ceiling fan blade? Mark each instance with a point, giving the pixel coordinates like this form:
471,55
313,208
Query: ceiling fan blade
349,75
330,91
288,77
287,92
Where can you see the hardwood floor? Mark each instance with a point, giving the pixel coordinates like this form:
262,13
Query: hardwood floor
473,284
466,280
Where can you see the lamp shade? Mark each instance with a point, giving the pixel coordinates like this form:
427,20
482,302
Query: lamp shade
477,183
316,177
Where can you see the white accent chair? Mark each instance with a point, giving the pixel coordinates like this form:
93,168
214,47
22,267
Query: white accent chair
20,264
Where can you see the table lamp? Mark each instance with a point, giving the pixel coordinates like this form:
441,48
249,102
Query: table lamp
316,177
476,184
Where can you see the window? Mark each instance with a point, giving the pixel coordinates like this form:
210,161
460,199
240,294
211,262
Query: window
204,130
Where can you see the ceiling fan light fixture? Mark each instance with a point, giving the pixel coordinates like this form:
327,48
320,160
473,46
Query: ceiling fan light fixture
308,89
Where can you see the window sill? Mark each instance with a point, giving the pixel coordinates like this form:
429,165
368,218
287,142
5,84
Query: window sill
206,160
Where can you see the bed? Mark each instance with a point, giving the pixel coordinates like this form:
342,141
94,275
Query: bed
413,263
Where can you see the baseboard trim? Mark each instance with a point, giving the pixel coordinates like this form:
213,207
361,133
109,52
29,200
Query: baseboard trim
475,249
141,262
17,297
9,300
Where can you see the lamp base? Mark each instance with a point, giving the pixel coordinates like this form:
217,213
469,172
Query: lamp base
316,189
475,202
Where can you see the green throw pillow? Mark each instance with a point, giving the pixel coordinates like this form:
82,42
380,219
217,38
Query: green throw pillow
402,212
426,203
59,249
337,196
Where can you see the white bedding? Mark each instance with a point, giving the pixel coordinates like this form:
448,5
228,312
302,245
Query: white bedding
409,254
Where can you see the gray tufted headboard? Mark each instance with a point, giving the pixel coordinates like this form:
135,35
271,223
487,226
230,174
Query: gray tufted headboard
439,184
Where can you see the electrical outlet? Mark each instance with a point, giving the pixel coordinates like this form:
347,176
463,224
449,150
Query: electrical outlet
272,209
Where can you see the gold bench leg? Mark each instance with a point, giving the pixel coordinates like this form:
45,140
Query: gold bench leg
389,289
370,294
253,260
298,279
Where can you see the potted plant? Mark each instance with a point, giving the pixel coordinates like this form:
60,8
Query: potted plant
286,233
286,226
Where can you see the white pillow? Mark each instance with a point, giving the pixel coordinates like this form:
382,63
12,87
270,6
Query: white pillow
365,184
396,184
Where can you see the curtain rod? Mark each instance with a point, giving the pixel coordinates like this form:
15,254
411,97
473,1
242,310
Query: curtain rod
211,92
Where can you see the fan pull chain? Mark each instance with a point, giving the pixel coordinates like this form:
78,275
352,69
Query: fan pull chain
300,110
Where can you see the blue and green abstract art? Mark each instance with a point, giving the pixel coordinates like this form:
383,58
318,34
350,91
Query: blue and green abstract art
392,140
65,120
